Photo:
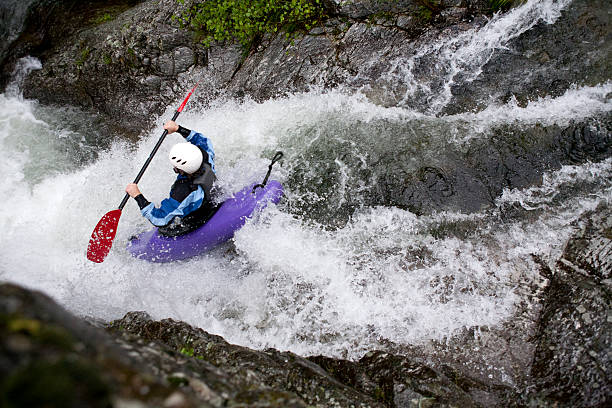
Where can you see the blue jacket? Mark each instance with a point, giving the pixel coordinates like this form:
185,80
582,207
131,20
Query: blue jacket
185,197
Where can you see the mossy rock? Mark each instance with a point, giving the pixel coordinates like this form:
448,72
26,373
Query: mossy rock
64,383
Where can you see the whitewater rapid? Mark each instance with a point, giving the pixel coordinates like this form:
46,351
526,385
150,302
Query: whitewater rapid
286,280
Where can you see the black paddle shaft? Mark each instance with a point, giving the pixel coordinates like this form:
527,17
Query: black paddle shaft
155,149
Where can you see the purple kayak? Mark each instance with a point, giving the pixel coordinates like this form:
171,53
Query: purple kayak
231,216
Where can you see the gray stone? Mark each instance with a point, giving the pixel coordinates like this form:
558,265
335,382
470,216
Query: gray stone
165,64
585,263
152,82
184,58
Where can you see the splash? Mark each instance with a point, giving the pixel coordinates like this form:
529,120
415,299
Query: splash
22,68
386,277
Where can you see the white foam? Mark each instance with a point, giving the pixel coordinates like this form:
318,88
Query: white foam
22,68
293,285
576,104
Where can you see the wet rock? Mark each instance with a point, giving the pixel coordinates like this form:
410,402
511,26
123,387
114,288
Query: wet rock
183,59
572,360
471,177
99,63
401,381
298,378
165,64
51,356
13,14
102,59
48,357
573,51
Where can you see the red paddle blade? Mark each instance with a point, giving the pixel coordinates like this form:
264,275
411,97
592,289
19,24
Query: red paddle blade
102,236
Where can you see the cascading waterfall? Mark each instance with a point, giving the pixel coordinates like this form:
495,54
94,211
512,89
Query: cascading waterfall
423,80
293,280
12,16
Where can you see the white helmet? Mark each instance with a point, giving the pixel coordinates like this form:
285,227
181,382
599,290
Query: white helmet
186,157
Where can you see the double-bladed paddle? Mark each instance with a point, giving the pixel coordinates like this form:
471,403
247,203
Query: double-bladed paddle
103,235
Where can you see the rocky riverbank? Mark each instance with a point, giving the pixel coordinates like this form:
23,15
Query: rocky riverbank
130,59
52,358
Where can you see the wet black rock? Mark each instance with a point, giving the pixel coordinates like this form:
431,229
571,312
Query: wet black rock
129,58
401,381
120,58
547,60
400,169
52,358
572,360
469,177
256,375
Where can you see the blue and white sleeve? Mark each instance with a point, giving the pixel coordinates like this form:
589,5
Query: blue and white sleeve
171,208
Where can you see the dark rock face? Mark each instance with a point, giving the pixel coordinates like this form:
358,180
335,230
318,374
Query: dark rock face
471,179
572,359
130,58
13,14
406,382
121,58
258,375
52,358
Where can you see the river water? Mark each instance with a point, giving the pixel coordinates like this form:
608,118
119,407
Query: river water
292,280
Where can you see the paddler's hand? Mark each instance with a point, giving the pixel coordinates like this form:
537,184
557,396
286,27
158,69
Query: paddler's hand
171,126
132,190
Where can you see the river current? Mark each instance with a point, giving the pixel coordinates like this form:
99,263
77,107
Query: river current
288,280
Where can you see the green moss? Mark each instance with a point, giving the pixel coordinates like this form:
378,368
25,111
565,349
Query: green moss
29,326
379,394
424,14
247,21
187,351
177,381
382,15
40,332
427,9
103,18
107,60
83,56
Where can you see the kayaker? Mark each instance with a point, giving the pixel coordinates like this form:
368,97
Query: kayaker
190,203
